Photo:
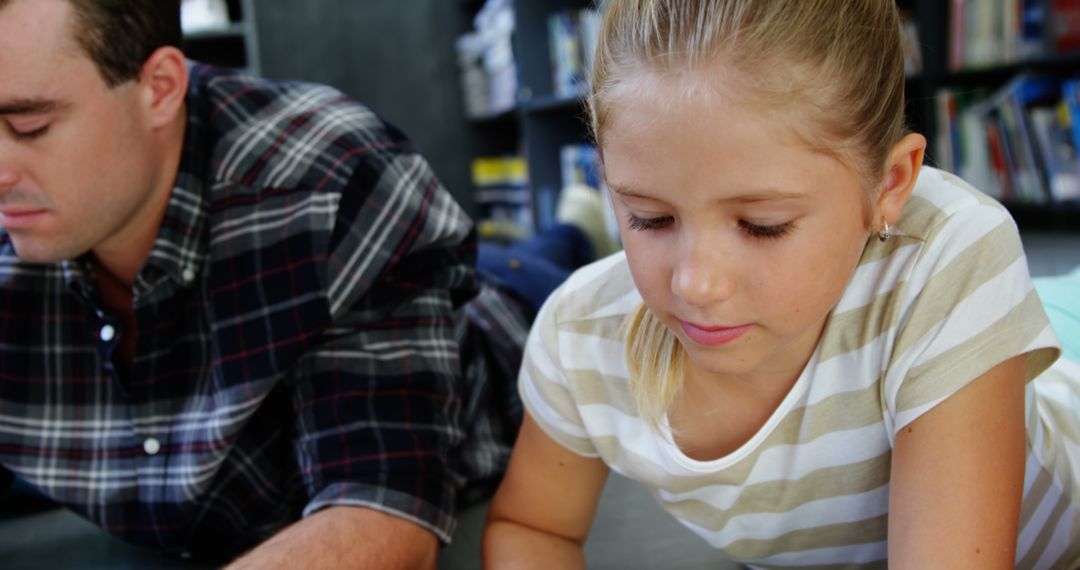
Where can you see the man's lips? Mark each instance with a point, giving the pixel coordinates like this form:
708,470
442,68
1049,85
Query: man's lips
713,335
17,217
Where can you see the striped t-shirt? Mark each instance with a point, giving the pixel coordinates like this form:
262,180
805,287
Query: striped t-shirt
936,306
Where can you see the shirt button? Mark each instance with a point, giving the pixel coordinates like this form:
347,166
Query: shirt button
107,333
151,446
188,273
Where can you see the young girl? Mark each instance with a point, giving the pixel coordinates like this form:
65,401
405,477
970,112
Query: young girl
815,352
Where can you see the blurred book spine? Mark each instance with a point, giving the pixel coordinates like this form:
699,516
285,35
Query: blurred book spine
909,29
580,164
572,38
489,72
1065,25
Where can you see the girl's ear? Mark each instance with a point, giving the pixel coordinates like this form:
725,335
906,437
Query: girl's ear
901,172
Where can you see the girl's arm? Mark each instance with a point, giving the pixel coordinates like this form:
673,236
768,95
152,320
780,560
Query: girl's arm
958,477
545,505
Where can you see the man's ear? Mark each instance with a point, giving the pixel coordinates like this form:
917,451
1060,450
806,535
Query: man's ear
901,171
163,83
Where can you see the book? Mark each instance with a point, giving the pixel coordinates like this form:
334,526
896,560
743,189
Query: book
1029,177
978,164
580,164
956,34
909,34
503,199
1070,97
572,38
1000,161
1064,17
947,145
489,74
1033,31
1058,154
568,76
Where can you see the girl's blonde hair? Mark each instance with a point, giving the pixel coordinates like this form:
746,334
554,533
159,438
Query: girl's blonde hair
834,67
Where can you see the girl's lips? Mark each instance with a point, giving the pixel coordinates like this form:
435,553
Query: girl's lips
713,336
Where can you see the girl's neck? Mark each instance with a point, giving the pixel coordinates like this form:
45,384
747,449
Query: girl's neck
713,416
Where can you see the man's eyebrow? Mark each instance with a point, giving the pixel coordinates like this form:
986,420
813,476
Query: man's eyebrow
29,106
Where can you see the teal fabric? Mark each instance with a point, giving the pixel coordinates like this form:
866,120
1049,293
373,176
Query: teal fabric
1061,298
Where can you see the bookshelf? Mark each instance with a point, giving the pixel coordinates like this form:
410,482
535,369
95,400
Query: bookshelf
966,68
234,45
542,122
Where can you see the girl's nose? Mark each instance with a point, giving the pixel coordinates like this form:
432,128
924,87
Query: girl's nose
703,275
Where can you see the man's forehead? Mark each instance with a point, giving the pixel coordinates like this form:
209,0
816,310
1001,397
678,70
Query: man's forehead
37,50
38,24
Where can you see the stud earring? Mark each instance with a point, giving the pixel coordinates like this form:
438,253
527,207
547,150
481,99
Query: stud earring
885,232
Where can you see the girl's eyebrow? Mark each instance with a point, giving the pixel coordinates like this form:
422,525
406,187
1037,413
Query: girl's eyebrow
767,195
629,192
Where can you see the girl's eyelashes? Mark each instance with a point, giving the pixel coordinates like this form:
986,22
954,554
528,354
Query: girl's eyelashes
766,232
644,224
754,230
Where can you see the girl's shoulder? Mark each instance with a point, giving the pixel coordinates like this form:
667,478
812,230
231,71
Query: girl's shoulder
943,202
947,227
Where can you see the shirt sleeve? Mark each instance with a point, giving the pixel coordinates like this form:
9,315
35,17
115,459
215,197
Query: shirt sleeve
969,305
544,387
378,401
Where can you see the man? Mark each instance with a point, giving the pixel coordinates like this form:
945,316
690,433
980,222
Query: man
232,309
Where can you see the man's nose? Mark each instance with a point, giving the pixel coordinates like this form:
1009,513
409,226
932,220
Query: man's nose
9,177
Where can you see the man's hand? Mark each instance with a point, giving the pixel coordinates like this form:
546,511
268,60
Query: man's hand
346,537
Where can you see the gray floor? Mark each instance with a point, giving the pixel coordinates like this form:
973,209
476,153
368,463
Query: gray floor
58,539
630,531
628,520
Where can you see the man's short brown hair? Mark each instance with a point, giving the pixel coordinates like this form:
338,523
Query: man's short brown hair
120,35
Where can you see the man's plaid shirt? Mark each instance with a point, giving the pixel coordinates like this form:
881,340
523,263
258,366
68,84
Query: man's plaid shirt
299,336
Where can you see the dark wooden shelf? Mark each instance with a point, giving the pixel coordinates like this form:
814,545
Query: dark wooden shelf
234,46
1059,216
1055,64
548,103
507,116
234,30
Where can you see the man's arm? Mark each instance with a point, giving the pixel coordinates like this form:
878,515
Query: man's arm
345,537
377,399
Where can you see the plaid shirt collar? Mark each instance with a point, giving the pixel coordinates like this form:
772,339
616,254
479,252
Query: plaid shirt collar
180,250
